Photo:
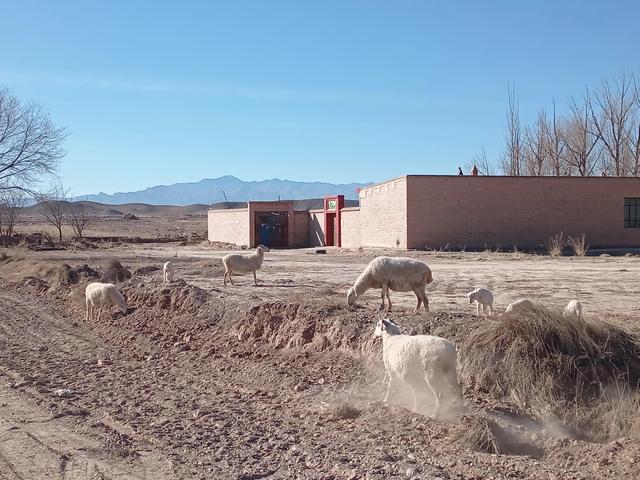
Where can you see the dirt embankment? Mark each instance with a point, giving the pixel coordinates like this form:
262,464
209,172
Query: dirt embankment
219,387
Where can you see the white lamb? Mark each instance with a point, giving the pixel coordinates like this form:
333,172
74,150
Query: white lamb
167,272
520,306
573,308
239,263
103,295
418,360
399,274
482,297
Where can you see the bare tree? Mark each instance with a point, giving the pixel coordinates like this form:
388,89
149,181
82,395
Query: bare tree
633,133
535,151
512,160
79,218
11,204
555,145
611,109
30,145
55,206
580,141
484,165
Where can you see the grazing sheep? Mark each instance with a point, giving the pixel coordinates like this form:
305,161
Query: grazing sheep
520,306
482,297
419,360
167,272
399,274
103,295
573,308
238,263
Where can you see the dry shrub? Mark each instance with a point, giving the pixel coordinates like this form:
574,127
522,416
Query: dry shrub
556,244
481,435
579,245
556,367
344,411
115,272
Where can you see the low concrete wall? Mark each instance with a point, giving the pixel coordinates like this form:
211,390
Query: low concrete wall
350,218
230,226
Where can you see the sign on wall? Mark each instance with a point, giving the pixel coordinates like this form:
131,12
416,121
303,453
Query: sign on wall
331,205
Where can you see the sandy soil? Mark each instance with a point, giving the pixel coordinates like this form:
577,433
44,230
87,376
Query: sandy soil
276,381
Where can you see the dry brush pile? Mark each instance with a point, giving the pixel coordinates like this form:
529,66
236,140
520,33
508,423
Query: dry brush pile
583,374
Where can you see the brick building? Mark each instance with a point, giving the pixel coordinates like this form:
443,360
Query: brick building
427,211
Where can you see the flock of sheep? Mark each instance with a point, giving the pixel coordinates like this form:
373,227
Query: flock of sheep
415,360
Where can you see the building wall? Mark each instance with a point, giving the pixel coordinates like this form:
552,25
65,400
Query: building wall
350,234
301,229
231,226
316,228
518,211
383,214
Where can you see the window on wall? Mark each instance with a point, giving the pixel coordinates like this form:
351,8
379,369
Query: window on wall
632,212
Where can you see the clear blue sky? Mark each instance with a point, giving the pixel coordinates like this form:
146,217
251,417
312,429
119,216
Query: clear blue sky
335,90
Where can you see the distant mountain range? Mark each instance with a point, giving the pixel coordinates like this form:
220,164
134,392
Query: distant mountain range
213,190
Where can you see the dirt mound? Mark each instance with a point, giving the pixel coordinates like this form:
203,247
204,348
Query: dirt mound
84,272
147,269
287,325
115,272
554,366
179,298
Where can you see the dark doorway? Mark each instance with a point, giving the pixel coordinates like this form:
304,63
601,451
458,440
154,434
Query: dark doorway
272,229
329,235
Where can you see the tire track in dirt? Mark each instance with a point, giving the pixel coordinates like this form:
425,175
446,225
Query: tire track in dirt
40,439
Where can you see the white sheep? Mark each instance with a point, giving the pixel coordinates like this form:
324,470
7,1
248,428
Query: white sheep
419,359
239,263
573,308
399,274
103,295
482,297
520,306
167,272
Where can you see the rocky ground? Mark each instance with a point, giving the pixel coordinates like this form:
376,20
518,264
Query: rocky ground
280,381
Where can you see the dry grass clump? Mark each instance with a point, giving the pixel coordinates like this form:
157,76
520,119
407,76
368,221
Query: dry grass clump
115,272
556,244
579,245
556,367
344,411
481,435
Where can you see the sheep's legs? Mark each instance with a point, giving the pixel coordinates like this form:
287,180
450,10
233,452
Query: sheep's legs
385,292
99,313
490,308
389,386
478,309
88,309
436,395
255,279
422,300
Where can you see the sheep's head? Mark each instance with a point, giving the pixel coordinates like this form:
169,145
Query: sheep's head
471,296
386,325
262,249
351,296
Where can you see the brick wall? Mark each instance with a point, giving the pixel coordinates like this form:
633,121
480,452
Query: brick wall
301,229
518,211
383,214
316,228
231,226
